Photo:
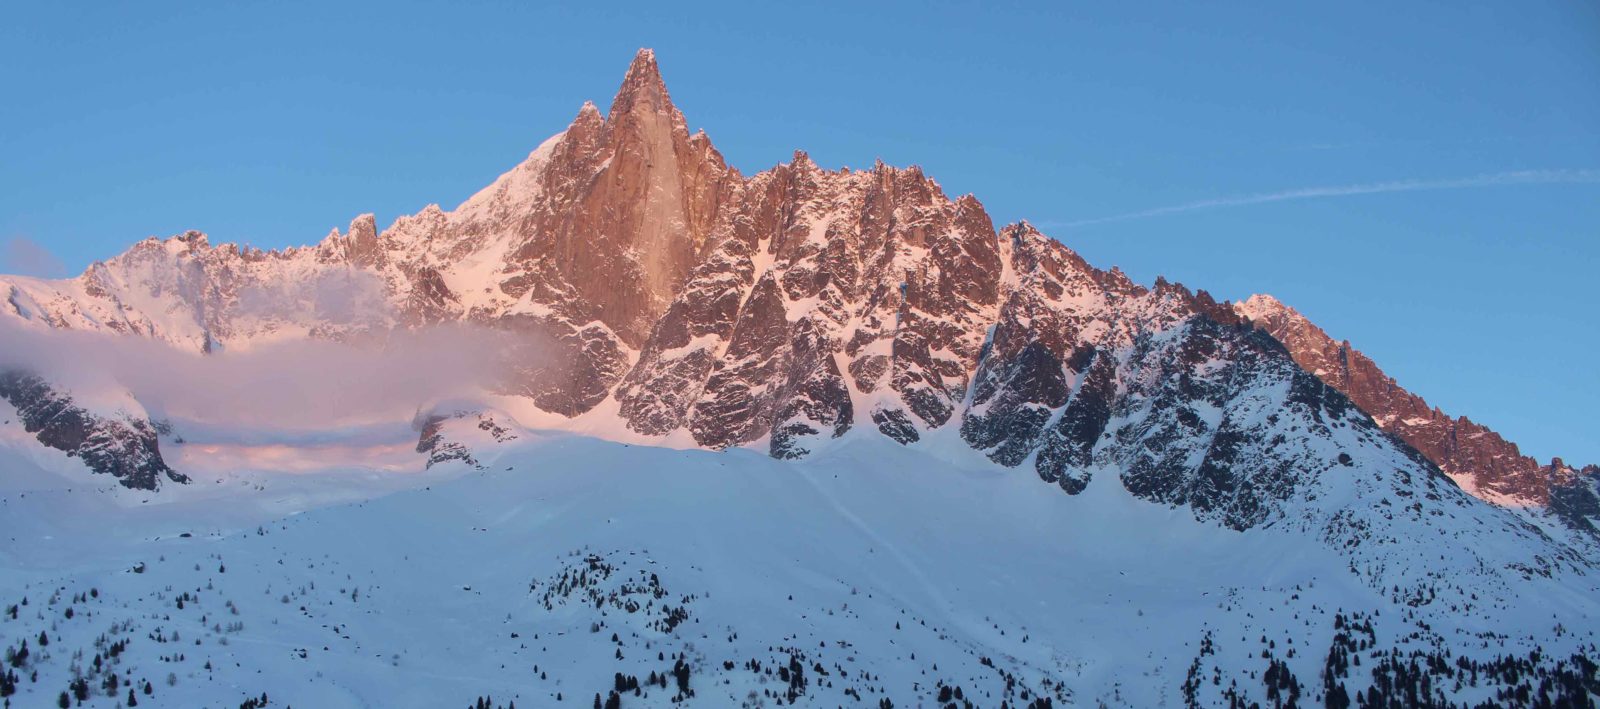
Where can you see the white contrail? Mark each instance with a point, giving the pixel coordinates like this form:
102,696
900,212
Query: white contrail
1519,177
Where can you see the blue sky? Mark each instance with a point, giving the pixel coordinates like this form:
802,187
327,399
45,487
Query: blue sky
1444,154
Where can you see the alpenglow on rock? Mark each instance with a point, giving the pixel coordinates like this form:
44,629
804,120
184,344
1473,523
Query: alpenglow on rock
789,307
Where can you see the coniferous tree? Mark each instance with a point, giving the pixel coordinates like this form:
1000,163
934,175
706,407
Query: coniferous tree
1338,698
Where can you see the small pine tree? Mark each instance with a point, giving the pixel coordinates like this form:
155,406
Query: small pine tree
63,701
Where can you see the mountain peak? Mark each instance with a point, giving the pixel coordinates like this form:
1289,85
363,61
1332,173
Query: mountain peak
1265,301
1263,306
642,87
629,240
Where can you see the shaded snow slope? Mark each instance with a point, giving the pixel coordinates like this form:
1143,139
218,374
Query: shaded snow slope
1009,476
644,288
879,571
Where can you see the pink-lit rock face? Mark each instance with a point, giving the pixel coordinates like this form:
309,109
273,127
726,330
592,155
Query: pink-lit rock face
1479,459
637,275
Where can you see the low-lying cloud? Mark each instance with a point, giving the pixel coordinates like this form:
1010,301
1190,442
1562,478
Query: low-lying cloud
334,296
302,385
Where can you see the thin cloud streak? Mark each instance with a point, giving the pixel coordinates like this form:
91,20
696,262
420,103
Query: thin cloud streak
1518,177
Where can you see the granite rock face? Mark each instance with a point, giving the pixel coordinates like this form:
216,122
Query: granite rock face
639,276
1478,458
125,447
1575,495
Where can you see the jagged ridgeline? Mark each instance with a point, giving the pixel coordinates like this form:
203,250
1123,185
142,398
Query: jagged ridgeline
644,289
787,308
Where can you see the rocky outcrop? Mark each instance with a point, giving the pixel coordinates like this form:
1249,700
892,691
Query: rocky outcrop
1575,495
125,447
1057,311
431,443
873,276
1480,459
632,267
444,437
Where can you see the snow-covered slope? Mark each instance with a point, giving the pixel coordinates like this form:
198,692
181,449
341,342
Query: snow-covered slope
1480,460
560,561
999,468
691,304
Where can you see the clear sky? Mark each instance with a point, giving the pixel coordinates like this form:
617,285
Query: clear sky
1419,178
